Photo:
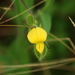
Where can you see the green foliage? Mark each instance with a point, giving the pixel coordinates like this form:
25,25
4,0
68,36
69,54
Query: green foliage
48,7
46,20
53,17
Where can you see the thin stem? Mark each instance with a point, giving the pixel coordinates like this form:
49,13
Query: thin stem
23,12
56,62
63,43
4,8
36,70
72,21
26,6
68,39
7,9
66,67
41,64
14,25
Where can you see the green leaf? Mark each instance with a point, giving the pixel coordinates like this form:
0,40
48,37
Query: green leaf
46,20
48,6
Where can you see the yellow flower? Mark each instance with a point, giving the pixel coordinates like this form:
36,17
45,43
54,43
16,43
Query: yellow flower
37,36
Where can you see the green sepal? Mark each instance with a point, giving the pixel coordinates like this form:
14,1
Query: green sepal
40,56
36,52
31,20
40,25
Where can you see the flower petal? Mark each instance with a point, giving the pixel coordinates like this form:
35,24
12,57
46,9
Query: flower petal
37,35
40,47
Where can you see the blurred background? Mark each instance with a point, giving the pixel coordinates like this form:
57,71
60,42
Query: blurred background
15,49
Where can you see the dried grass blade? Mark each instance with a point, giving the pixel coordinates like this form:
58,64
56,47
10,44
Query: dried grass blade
7,9
23,12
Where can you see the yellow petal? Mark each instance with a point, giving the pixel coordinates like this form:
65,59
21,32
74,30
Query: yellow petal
37,35
40,47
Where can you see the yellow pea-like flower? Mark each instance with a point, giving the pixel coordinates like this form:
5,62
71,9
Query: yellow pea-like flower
37,36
